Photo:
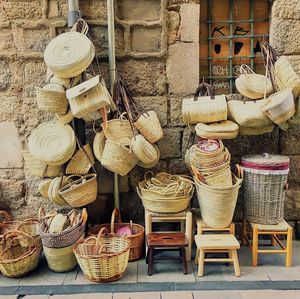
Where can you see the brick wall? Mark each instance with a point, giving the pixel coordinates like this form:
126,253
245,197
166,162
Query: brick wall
157,47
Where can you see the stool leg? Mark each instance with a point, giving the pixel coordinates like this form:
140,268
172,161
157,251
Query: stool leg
236,264
150,260
148,225
201,263
182,228
273,241
232,229
188,232
197,256
289,247
254,246
183,259
244,232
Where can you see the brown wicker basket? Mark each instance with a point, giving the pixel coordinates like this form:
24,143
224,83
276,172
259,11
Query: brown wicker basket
31,227
136,239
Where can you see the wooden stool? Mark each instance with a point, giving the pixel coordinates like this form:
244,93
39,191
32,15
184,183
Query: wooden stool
163,241
282,228
218,243
185,219
202,228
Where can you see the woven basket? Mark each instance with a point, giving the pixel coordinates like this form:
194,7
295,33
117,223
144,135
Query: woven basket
217,204
5,217
38,168
52,98
19,255
248,131
98,145
8,226
61,260
82,161
64,82
103,258
149,126
265,180
154,163
65,238
280,106
286,76
222,130
52,142
69,54
118,158
65,118
248,114
53,190
143,149
31,227
136,239
44,187
80,192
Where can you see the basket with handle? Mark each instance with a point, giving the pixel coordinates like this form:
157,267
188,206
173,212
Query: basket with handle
31,227
154,163
19,254
44,187
7,223
136,238
98,143
103,258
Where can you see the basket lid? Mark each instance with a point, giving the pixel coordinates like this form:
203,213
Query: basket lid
206,145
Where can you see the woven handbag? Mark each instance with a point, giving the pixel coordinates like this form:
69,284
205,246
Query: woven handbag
154,163
143,149
204,107
65,118
222,130
44,187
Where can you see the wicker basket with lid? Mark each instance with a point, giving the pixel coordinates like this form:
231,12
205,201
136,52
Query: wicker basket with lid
265,177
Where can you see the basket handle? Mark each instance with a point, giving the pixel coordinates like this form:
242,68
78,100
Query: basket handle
101,233
204,89
116,215
6,216
24,222
240,171
246,69
81,26
84,216
41,213
18,235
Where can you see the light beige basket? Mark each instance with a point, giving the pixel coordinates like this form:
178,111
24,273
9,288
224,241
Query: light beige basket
69,54
222,130
143,149
248,114
149,126
53,190
80,192
38,168
65,118
44,187
52,98
248,131
82,161
64,82
118,157
98,145
52,142
280,106
154,163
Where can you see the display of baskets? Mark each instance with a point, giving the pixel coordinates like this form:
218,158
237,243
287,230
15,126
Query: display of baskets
103,258
265,180
136,237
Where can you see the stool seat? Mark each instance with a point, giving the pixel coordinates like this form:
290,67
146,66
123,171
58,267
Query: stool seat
167,240
280,227
218,241
179,214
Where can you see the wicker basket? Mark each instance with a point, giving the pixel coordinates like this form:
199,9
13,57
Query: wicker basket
44,187
65,118
143,149
103,258
65,238
265,180
53,190
98,145
136,239
19,255
154,163
31,227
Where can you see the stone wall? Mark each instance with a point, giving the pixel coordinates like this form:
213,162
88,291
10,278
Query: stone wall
157,46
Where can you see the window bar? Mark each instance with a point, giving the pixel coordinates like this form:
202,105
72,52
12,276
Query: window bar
230,45
209,41
252,34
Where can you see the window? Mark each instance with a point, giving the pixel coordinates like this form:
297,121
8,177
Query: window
230,35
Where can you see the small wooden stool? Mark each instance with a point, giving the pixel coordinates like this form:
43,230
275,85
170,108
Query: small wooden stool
166,240
218,243
185,218
280,229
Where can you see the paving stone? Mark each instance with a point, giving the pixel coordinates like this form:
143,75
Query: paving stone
274,294
37,297
144,295
177,295
84,296
217,295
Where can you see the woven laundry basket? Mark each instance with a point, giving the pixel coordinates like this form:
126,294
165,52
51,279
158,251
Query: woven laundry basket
265,177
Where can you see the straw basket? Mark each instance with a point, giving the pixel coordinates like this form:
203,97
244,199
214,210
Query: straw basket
217,204
19,255
61,259
31,227
52,98
82,161
280,106
65,238
52,142
248,114
265,180
69,54
149,126
136,239
154,163
53,190
248,131
65,118
222,130
44,187
5,217
98,145
118,158
80,192
64,82
8,226
38,168
103,258
143,149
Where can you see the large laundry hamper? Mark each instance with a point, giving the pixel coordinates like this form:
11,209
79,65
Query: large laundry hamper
265,178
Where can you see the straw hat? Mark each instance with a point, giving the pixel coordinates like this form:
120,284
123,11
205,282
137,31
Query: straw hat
69,54
52,142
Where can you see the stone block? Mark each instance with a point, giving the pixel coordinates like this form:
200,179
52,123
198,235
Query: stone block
294,175
176,112
5,76
10,107
173,22
284,36
16,10
144,77
58,8
183,68
36,39
145,39
289,141
135,10
283,9
189,15
177,166
94,9
10,150
12,193
295,62
187,140
6,40
34,75
170,145
158,104
292,203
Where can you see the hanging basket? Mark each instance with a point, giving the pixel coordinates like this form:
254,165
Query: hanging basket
44,187
143,149
222,130
65,118
154,163
53,190
98,145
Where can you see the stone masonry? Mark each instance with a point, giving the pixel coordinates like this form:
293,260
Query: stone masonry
157,47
